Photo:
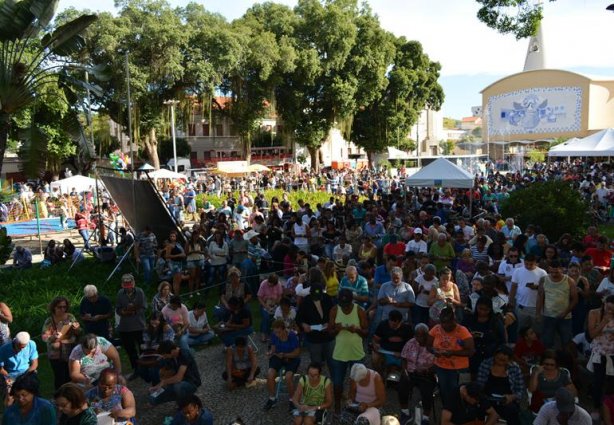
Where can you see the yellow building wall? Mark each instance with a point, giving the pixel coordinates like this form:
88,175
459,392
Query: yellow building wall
597,104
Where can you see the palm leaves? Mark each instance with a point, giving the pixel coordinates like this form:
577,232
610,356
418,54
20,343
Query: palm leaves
28,61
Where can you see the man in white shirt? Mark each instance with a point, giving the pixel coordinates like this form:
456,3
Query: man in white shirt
198,331
511,231
507,267
562,411
523,295
342,249
416,245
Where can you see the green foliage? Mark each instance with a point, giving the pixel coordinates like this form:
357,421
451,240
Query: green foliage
447,147
313,198
553,205
6,245
450,123
411,86
165,149
518,17
477,132
30,60
536,155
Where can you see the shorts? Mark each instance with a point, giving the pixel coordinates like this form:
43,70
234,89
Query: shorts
291,365
318,414
175,267
195,264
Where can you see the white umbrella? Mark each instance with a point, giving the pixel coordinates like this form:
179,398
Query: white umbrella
79,183
146,167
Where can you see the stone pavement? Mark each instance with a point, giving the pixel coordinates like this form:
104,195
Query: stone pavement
227,405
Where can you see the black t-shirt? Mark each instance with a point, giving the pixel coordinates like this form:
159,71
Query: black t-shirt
192,375
463,412
399,336
101,306
238,317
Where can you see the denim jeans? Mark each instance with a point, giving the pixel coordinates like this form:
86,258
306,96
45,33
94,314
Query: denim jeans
228,338
552,325
265,322
85,234
173,392
148,262
186,341
448,380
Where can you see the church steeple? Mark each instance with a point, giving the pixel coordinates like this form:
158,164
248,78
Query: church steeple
536,56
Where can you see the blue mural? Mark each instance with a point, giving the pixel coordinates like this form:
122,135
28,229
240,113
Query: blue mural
537,110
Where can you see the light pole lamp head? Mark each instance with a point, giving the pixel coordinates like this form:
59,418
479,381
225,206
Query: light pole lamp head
610,7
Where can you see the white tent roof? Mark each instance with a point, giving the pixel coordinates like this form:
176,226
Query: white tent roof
79,183
597,144
394,153
442,173
146,166
163,173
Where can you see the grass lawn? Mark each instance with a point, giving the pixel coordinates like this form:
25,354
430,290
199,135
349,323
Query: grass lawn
29,292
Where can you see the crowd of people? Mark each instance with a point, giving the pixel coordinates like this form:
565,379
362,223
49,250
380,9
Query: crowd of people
401,289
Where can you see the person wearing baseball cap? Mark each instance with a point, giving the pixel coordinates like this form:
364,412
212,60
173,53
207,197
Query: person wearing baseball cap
417,244
562,410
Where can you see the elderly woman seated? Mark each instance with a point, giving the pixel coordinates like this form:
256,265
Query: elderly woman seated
90,357
367,394
113,397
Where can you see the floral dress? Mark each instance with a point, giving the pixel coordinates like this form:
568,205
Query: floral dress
113,402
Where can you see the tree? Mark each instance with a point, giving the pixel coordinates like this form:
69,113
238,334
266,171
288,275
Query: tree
447,146
411,86
165,149
29,61
450,123
267,52
342,55
477,132
518,17
155,40
554,206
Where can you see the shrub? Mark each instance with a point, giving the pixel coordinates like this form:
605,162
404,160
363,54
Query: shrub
553,205
312,198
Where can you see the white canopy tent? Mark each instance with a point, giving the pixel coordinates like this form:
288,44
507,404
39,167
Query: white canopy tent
163,173
597,144
79,183
441,173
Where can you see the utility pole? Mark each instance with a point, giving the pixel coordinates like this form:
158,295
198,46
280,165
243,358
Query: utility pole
130,135
172,104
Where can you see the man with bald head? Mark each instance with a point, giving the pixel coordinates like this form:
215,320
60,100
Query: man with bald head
357,284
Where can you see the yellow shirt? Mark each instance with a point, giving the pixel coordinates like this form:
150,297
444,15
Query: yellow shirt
332,286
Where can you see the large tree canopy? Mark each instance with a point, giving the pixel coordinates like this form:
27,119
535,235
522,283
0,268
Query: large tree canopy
518,17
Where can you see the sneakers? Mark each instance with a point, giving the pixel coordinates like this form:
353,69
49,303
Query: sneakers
269,404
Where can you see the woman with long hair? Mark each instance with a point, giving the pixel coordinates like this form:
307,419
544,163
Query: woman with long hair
174,254
60,332
195,255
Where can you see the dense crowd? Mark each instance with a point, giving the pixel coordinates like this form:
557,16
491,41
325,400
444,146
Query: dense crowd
400,288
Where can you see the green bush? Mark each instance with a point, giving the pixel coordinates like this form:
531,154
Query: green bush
553,205
312,198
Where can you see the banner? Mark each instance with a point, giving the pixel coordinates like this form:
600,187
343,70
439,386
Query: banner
539,110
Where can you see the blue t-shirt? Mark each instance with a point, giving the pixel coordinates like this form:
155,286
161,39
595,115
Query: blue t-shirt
17,363
287,346
382,275
205,418
42,413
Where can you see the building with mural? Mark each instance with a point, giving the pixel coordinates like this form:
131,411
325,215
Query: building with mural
541,104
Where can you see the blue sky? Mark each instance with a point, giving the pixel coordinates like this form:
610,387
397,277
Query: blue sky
579,36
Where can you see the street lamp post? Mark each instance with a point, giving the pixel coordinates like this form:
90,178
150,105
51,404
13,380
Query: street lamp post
172,104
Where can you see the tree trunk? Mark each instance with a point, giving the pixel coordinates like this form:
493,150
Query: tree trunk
370,159
315,160
151,148
247,147
4,136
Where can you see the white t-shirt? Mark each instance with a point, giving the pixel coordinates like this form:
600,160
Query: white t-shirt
424,289
606,287
527,297
506,270
416,247
548,413
199,323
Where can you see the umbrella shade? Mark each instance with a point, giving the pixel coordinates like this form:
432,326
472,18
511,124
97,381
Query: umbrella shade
79,183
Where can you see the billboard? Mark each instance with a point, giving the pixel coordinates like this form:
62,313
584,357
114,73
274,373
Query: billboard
536,110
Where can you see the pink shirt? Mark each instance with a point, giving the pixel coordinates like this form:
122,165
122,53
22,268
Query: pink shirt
176,317
418,358
267,291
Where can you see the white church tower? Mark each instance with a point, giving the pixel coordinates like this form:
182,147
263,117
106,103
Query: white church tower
536,55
